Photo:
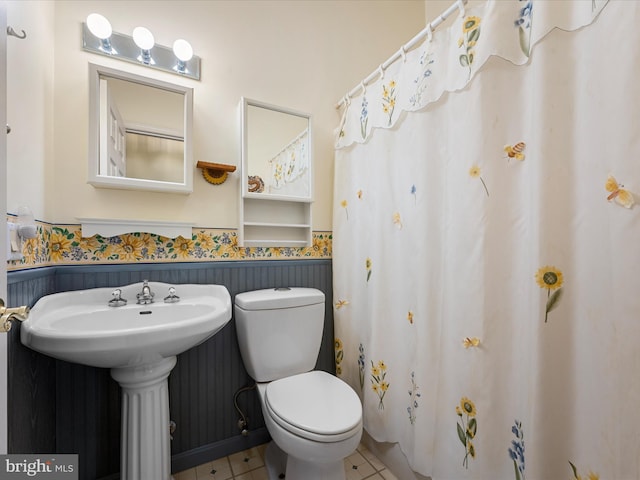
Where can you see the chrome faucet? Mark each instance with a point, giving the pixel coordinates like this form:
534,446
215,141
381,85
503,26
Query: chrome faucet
146,295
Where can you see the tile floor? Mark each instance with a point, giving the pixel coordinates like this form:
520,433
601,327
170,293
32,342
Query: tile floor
249,465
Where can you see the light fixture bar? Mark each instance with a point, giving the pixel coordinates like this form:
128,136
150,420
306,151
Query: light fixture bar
127,50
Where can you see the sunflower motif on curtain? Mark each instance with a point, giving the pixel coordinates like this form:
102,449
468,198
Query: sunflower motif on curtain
467,427
468,40
549,278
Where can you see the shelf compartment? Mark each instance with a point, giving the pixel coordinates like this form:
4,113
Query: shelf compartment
276,236
276,212
274,243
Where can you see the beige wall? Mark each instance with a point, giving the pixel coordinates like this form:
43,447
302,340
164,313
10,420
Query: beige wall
434,8
30,106
301,54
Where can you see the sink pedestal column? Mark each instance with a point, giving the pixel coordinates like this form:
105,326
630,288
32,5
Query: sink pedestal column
145,450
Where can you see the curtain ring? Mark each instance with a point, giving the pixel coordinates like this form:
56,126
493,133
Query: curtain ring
364,87
347,100
381,70
403,54
429,33
461,7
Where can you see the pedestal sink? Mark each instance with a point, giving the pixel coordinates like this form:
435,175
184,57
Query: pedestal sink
139,343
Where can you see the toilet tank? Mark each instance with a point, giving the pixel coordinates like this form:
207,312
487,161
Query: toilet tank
279,331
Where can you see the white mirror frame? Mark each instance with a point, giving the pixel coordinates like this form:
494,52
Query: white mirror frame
246,103
103,181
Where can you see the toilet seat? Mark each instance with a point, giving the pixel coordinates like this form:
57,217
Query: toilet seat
315,405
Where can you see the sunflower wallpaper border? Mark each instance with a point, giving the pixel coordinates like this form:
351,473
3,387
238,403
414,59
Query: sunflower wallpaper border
63,244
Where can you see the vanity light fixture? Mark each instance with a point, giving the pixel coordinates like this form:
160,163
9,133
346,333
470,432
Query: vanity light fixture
100,27
183,52
143,38
98,37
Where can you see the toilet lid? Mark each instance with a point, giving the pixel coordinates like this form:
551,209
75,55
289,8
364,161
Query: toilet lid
315,404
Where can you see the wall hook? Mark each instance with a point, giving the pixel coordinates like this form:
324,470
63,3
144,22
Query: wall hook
12,32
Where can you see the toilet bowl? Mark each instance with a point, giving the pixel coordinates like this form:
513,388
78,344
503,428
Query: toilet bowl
313,417
316,419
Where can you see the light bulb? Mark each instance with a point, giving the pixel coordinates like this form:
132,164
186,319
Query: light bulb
183,50
143,38
99,26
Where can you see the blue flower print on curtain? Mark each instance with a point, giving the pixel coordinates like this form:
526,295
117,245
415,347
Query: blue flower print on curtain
364,117
516,451
361,359
523,24
421,81
413,399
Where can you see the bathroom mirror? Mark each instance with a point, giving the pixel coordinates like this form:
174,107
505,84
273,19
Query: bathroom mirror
276,152
139,132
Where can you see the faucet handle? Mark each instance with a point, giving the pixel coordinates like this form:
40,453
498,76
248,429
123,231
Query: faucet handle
7,315
172,297
117,300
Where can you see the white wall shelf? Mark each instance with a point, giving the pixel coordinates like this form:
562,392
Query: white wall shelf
111,228
276,223
269,224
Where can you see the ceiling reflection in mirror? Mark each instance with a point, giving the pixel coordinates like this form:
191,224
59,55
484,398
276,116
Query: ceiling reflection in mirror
278,151
139,132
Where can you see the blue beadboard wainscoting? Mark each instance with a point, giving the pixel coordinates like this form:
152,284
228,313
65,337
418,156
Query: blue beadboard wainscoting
60,407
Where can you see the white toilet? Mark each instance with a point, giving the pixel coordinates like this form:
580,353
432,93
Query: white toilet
313,417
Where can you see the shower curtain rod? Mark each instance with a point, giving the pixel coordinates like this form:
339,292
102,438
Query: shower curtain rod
298,137
427,31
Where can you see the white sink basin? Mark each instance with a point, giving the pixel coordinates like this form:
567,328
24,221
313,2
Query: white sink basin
139,343
80,327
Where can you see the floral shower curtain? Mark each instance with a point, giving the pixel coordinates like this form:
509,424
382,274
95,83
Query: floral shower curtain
486,250
289,165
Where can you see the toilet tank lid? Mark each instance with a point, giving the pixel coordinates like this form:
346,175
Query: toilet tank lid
272,298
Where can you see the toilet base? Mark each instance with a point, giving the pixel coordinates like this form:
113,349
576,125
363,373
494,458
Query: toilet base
276,461
280,465
302,470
